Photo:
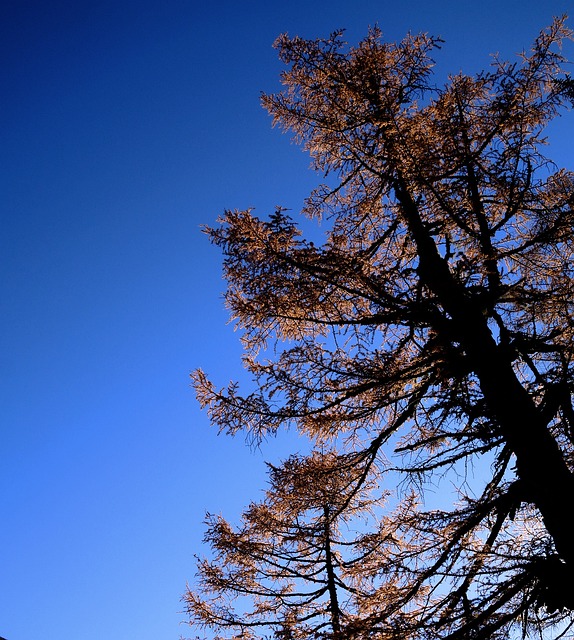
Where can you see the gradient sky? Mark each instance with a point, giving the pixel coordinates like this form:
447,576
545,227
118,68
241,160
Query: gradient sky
124,127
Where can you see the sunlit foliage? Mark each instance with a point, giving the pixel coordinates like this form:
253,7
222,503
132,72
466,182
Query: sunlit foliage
427,343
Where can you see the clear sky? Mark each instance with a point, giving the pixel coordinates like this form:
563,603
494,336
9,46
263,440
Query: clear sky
124,126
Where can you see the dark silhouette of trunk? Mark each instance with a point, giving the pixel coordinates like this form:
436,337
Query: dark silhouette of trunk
540,465
331,579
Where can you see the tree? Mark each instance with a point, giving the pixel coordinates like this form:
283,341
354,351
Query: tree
297,559
432,330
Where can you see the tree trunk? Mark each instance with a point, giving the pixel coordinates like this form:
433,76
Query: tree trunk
540,465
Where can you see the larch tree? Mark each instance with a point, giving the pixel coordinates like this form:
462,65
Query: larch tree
429,334
298,567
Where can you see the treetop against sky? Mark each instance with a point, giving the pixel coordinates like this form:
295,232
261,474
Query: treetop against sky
432,330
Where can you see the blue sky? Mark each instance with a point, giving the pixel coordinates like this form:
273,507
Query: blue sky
124,127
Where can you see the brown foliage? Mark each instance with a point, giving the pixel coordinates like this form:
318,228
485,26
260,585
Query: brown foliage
432,330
